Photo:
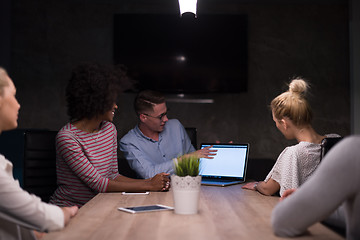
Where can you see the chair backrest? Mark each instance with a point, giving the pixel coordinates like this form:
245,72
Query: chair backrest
259,168
33,154
124,167
12,147
192,133
40,163
327,144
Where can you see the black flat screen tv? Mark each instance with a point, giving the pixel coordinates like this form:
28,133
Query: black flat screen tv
173,54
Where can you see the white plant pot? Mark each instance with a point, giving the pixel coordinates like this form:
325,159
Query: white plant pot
186,191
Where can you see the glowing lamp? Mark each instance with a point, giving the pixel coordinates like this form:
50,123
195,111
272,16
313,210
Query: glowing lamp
187,6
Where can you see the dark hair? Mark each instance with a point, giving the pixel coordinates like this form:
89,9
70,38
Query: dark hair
145,100
92,90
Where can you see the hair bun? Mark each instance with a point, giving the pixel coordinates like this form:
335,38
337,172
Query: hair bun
298,86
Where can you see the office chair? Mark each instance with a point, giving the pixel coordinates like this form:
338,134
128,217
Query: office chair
259,168
40,163
327,144
192,133
124,167
33,155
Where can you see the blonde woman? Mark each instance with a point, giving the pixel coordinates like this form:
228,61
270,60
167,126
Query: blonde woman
21,212
292,115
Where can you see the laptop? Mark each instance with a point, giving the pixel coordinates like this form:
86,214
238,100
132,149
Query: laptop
228,167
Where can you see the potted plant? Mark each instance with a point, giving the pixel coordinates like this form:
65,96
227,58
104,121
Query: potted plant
186,184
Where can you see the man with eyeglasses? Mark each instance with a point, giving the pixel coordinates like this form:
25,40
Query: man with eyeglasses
150,147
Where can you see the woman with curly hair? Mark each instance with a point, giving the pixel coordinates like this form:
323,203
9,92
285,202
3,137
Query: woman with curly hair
86,147
292,116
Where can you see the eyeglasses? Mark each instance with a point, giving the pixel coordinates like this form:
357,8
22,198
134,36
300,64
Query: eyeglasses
160,117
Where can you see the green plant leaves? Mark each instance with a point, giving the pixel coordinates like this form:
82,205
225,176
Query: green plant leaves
188,165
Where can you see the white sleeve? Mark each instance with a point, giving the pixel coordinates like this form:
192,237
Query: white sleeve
20,207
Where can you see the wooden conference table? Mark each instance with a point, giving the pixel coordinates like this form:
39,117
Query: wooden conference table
224,213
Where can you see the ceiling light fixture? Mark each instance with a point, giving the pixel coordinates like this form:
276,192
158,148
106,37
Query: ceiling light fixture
188,6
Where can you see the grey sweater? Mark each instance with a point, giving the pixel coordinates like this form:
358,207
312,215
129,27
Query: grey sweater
336,181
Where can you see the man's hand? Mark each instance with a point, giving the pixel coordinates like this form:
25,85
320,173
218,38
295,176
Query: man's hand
206,152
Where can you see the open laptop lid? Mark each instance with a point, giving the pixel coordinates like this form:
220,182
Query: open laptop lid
229,164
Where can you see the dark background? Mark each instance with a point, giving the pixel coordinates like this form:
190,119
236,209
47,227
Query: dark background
182,55
42,40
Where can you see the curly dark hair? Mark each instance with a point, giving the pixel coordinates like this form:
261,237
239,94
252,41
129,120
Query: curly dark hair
92,90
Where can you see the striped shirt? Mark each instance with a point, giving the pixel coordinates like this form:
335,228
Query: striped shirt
84,163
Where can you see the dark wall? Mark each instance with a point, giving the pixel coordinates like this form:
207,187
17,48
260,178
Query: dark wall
50,37
5,30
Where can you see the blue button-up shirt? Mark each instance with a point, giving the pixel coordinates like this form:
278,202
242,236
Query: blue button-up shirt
149,157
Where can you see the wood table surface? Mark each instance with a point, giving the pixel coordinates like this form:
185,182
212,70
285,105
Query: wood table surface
224,213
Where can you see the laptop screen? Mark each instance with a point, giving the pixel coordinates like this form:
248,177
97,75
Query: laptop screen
230,161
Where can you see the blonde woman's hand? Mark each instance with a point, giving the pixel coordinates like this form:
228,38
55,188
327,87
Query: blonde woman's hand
250,186
39,235
69,212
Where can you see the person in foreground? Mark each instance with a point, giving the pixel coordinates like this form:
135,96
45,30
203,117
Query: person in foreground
86,147
292,115
150,147
335,182
20,212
